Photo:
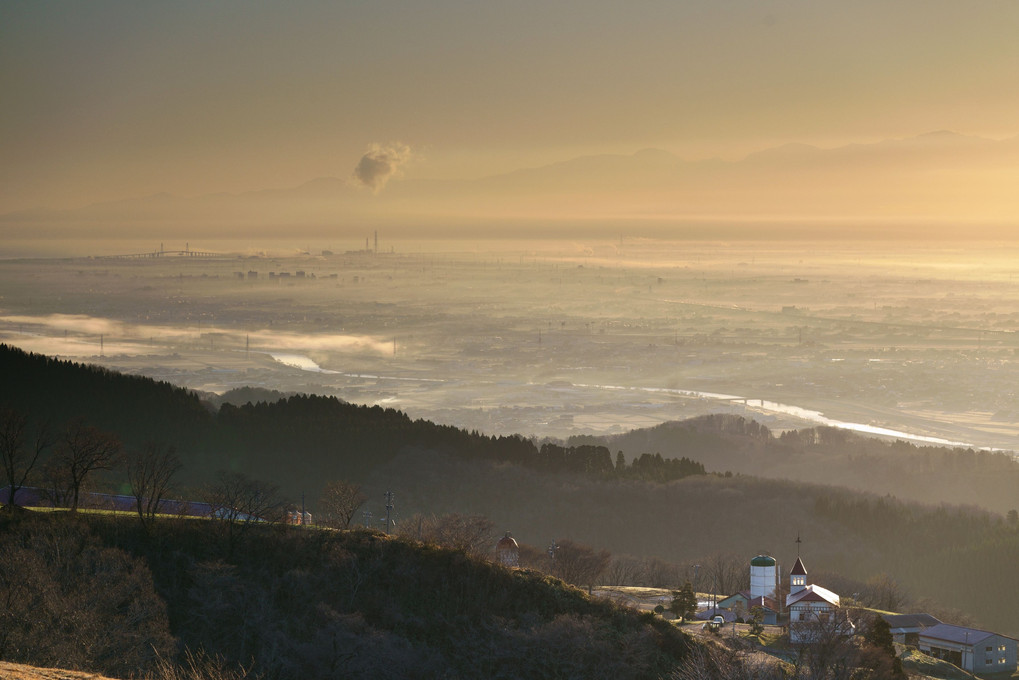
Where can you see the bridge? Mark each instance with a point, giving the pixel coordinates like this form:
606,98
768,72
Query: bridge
187,252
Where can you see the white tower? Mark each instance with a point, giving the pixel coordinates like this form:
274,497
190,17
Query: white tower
763,577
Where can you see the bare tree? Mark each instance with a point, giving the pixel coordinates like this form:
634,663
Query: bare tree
622,571
472,534
728,573
828,650
579,564
882,592
339,503
56,484
656,573
236,498
533,558
238,501
83,451
149,472
18,455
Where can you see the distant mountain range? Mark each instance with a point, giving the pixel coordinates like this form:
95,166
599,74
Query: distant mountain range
940,177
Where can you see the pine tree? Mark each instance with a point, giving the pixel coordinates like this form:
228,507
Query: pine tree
684,602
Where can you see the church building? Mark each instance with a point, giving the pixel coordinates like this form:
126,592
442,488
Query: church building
813,610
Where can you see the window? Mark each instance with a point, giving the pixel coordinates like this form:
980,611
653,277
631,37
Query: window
988,649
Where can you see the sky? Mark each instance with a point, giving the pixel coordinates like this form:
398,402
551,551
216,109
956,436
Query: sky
111,100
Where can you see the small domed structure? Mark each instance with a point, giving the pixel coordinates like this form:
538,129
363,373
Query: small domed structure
507,552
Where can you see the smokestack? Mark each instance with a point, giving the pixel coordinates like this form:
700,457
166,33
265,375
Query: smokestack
376,242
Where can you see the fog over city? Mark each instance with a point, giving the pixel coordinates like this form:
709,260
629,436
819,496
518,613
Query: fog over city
562,338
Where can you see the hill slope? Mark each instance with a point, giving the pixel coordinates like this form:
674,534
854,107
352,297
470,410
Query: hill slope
292,604
958,556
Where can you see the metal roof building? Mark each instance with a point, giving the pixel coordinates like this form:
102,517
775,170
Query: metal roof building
973,650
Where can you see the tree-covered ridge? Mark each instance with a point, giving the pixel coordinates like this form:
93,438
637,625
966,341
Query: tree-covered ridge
257,437
829,455
138,409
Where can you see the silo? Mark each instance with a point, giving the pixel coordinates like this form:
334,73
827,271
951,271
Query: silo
763,576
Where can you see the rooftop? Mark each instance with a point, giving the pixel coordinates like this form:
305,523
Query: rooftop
813,593
958,634
910,620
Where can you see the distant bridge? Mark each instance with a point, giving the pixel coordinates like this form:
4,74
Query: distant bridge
187,252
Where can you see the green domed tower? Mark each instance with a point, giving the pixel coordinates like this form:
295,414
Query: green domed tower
763,576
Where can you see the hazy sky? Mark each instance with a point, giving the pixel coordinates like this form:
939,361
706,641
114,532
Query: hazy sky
108,100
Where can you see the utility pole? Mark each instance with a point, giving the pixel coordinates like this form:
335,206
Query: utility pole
553,547
389,510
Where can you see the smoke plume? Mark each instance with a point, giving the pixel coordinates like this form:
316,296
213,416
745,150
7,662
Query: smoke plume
378,165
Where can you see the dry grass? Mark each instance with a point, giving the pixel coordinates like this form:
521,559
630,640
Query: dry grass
14,671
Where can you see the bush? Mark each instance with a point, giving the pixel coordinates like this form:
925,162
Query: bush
75,603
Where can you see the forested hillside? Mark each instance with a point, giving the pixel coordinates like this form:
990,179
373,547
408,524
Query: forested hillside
828,455
659,504
294,441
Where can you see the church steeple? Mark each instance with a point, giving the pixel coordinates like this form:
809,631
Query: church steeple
798,574
797,577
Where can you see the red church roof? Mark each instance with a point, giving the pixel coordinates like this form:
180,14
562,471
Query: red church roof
798,568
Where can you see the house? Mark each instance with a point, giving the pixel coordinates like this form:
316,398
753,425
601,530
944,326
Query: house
906,628
741,604
976,651
738,602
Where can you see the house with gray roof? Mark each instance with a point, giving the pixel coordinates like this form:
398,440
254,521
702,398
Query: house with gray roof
973,650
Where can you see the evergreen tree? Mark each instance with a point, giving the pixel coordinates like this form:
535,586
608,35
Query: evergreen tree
684,601
879,634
